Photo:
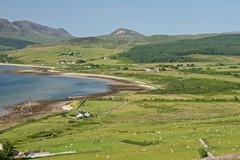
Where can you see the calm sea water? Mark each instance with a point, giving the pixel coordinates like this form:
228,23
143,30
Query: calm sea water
17,88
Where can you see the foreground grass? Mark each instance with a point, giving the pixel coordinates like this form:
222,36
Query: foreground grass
176,131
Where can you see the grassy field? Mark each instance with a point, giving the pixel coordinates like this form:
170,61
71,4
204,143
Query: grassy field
51,54
176,130
193,100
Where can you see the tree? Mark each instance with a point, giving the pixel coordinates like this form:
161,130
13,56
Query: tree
3,156
8,151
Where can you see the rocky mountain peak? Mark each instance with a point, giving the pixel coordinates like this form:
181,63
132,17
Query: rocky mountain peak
31,28
122,32
7,26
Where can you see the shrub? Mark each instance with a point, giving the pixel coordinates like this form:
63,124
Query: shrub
202,152
3,156
46,134
72,121
125,68
144,143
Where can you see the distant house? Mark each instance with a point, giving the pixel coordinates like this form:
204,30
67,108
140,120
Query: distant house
152,70
82,114
92,66
1,147
87,115
71,54
65,62
89,66
61,62
70,62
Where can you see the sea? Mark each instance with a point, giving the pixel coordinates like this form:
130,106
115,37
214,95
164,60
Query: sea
18,88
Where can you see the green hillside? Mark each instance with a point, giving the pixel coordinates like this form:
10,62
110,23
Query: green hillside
178,51
10,44
42,39
169,38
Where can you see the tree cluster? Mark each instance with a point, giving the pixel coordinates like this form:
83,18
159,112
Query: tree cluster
178,51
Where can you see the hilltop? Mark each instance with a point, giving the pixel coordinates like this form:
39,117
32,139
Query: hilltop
123,34
27,30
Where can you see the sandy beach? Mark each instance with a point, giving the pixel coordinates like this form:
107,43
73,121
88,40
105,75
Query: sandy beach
46,70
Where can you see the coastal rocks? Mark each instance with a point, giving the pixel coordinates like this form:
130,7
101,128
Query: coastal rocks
30,109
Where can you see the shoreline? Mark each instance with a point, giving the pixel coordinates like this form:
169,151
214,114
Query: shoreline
30,109
23,65
48,70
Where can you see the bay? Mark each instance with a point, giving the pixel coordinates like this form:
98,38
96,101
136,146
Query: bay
17,88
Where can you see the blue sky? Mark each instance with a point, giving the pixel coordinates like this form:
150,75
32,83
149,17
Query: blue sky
98,17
